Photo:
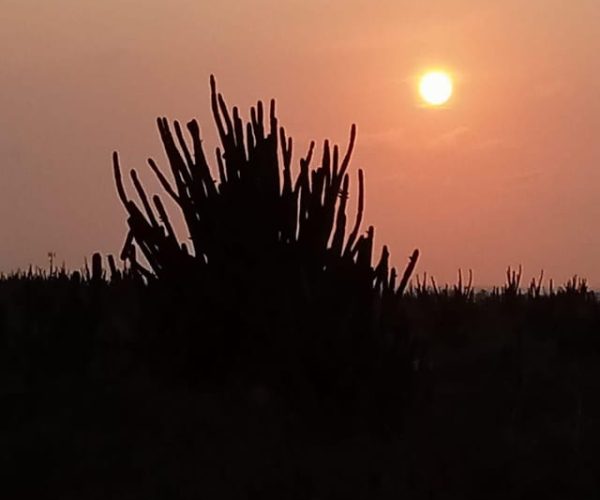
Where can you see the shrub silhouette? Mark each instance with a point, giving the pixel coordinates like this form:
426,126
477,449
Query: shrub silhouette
255,208
271,278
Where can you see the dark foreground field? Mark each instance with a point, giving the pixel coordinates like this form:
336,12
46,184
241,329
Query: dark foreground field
109,391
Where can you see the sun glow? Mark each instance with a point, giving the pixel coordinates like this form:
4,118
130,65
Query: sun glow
435,87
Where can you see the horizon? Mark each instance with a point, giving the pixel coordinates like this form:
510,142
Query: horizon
504,174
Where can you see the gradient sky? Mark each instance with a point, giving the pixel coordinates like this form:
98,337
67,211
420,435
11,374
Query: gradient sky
507,173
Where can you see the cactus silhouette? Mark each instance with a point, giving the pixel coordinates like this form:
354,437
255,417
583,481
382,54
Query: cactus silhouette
291,286
254,207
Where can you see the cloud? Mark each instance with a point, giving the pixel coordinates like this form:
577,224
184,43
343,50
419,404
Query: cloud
393,136
451,138
462,137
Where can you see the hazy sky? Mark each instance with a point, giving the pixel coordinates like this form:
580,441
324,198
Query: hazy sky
507,173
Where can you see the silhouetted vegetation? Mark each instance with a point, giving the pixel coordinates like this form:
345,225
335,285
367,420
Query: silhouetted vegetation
266,356
271,278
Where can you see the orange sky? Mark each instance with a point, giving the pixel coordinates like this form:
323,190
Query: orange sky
507,173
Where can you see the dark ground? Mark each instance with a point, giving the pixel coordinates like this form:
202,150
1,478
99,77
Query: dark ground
501,402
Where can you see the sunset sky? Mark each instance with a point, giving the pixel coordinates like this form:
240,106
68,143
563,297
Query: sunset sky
507,173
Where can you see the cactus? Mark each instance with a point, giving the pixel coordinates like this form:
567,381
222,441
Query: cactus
513,282
97,272
270,260
254,207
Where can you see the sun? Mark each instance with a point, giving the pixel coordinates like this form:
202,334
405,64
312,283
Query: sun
436,87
